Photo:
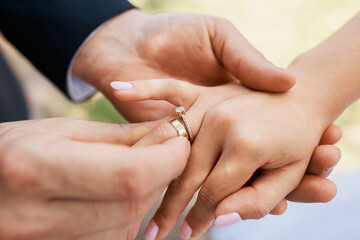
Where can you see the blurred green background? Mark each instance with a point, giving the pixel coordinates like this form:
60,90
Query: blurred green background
279,29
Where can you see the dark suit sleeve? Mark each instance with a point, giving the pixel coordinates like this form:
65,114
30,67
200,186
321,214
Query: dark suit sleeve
48,32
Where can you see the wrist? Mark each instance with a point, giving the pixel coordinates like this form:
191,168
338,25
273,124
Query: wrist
317,90
95,61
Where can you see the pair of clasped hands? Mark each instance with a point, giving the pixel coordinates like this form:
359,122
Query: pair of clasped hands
252,148
260,139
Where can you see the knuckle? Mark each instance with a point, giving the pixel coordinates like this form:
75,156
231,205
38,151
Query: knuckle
131,182
229,170
220,117
176,186
179,185
207,200
261,210
166,213
179,191
162,132
256,209
162,216
247,144
166,219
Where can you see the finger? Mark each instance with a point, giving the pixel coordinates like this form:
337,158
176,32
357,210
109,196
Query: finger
82,130
231,172
324,160
280,208
331,135
246,63
74,218
161,133
88,131
178,93
165,130
119,232
81,217
182,189
313,189
109,171
258,199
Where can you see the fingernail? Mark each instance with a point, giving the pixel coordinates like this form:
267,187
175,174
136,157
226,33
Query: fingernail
185,231
227,219
151,231
117,85
327,171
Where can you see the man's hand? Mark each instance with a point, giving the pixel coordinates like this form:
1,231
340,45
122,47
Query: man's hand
199,49
73,179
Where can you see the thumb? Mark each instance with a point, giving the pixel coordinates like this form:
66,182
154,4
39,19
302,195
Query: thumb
246,63
166,161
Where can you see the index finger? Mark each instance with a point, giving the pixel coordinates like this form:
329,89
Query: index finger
99,171
81,130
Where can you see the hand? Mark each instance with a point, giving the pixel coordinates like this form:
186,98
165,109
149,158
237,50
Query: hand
199,49
73,179
226,133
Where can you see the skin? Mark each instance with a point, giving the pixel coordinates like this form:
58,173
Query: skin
46,197
277,135
99,187
216,54
203,50
231,144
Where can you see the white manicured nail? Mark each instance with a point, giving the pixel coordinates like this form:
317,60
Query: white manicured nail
119,86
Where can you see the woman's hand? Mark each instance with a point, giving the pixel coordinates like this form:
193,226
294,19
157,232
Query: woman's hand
238,132
73,179
199,49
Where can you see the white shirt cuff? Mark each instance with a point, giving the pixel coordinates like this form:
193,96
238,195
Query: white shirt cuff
77,89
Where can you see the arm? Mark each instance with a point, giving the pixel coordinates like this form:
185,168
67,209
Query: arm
329,74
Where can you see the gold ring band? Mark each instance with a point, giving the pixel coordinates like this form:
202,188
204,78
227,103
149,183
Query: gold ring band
182,116
179,127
